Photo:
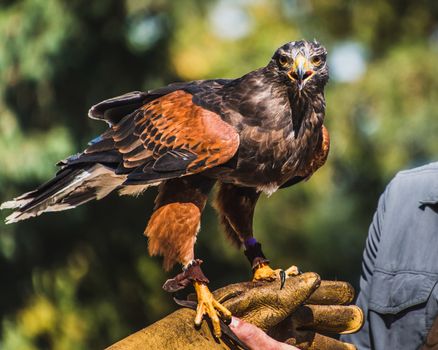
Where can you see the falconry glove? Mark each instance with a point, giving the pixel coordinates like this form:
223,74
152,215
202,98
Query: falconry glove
303,314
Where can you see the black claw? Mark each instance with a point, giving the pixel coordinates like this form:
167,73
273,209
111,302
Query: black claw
226,330
282,278
186,303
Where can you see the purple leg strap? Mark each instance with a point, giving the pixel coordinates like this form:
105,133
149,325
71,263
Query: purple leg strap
250,242
254,253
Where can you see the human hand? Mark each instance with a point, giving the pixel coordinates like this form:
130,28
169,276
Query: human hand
279,313
254,338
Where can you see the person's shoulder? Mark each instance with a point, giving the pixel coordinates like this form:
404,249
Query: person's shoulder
425,173
430,169
420,181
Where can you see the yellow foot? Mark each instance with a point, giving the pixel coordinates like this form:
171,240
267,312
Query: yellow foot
264,272
208,305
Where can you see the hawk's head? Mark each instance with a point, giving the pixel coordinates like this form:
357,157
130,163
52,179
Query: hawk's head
302,65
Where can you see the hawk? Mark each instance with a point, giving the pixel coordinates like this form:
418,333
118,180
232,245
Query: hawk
257,133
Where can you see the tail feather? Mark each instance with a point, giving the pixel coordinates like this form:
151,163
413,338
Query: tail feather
70,188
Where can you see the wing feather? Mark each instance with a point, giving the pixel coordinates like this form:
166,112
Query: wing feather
167,137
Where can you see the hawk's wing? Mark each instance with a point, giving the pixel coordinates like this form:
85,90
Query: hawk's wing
114,109
152,137
169,136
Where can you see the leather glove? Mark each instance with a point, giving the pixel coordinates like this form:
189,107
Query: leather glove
295,315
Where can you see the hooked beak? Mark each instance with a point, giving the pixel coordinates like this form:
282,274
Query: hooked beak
300,71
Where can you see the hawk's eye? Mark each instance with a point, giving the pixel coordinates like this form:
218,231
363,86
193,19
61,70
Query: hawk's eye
283,60
316,60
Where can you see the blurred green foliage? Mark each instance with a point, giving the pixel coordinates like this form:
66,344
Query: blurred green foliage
82,279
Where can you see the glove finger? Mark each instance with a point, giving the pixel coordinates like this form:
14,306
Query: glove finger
329,318
315,341
332,293
267,305
228,292
233,290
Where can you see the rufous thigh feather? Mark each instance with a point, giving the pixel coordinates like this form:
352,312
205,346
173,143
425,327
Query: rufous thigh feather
172,232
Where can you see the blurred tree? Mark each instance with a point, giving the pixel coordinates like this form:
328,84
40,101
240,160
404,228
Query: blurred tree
82,279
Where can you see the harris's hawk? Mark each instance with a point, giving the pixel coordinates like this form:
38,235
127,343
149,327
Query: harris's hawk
258,133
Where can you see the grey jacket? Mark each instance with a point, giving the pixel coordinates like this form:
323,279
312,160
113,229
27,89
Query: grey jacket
398,286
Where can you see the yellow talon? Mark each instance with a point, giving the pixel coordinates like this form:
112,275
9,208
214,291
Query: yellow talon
208,305
264,272
292,271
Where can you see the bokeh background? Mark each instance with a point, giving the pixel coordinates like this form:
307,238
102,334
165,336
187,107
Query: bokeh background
82,279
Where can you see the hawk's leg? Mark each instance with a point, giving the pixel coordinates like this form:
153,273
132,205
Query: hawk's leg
236,207
260,265
172,232
207,305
